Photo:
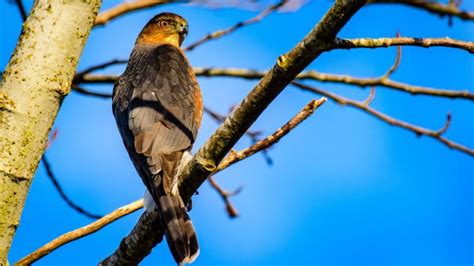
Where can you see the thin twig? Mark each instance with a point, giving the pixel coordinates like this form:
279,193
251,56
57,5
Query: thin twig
225,195
128,7
254,136
419,131
396,64
21,8
407,41
99,67
309,75
83,91
63,195
263,144
432,7
80,232
221,33
326,77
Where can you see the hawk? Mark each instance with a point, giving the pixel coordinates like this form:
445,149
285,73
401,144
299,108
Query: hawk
158,109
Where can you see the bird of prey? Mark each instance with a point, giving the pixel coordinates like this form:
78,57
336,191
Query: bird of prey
158,109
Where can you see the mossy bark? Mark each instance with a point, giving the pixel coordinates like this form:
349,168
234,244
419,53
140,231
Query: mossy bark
33,85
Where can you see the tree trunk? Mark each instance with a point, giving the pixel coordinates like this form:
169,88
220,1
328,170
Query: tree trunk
34,84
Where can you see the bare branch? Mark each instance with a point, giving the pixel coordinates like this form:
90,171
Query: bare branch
61,192
128,7
443,130
311,75
99,67
137,245
371,97
209,156
346,79
129,208
432,7
253,135
80,232
21,9
225,195
96,79
419,131
235,157
221,33
91,93
262,145
396,64
407,41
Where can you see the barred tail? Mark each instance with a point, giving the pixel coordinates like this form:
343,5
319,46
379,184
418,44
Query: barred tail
179,229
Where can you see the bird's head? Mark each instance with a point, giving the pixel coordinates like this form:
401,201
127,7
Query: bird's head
164,28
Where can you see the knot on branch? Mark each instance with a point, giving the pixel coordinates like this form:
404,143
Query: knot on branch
207,165
283,63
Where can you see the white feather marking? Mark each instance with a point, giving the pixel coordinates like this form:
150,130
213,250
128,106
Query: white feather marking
184,161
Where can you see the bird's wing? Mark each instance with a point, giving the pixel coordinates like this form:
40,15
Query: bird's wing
156,109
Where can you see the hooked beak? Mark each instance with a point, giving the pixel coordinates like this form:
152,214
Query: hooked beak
183,30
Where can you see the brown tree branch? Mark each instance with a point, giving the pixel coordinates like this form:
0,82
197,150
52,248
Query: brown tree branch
91,69
327,77
432,7
21,9
127,7
262,145
253,135
364,106
80,232
235,157
231,159
406,41
63,195
221,33
225,195
83,91
308,75
396,64
220,143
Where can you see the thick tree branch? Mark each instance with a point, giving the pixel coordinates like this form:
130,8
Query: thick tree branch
221,33
148,217
81,232
36,80
432,7
220,143
407,41
364,106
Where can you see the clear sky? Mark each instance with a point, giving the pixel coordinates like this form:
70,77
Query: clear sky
344,189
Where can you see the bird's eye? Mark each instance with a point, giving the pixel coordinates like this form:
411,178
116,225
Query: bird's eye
163,23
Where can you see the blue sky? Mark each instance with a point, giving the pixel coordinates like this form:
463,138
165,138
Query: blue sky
345,188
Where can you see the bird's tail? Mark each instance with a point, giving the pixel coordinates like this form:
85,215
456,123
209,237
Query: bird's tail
179,229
